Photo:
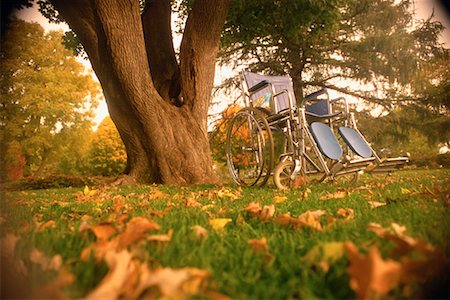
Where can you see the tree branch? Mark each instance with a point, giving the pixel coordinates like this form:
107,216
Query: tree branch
198,53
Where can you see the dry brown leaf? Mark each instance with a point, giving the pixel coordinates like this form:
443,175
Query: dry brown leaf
46,263
267,212
191,202
253,208
283,219
102,231
174,283
310,219
199,231
306,193
119,270
161,237
299,181
371,276
375,204
137,228
346,213
259,246
157,194
337,195
47,225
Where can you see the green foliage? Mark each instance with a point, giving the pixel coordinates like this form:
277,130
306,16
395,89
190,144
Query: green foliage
107,155
46,96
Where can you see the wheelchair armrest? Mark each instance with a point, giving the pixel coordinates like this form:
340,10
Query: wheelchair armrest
323,117
341,99
258,86
314,95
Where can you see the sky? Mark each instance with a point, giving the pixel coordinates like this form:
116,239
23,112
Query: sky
423,9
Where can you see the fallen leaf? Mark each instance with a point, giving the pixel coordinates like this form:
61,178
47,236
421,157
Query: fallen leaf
371,276
405,191
46,263
227,193
324,254
310,219
199,231
161,237
102,231
279,199
346,213
175,283
47,225
119,271
253,208
337,195
299,181
191,202
259,246
136,230
267,212
375,204
283,219
306,193
219,224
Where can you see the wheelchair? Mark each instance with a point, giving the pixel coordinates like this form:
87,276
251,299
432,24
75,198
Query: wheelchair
273,135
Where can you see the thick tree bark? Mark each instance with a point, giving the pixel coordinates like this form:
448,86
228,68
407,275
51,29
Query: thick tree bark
164,142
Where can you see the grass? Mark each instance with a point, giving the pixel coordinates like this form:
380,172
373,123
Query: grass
417,199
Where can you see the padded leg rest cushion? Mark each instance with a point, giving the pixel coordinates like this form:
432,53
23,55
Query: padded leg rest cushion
355,141
326,141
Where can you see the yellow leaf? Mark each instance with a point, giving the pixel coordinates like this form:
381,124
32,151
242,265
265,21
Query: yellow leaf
218,224
405,191
279,199
86,190
267,212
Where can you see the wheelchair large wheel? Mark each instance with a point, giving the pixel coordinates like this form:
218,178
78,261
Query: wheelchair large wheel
249,148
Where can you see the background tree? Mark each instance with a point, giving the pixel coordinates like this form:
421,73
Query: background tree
322,43
107,154
159,104
46,95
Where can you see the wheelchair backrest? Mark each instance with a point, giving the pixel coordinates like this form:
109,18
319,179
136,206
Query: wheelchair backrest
264,97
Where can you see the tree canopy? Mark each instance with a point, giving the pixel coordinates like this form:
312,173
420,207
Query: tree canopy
375,43
46,95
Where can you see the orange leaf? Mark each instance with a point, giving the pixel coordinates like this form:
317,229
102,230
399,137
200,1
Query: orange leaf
283,219
259,246
191,202
199,231
337,195
347,213
136,230
119,271
253,208
267,212
161,237
310,219
103,231
370,275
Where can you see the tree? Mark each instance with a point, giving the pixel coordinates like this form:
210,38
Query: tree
159,105
322,43
45,94
107,154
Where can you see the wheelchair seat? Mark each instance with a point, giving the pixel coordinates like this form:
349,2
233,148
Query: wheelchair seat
326,140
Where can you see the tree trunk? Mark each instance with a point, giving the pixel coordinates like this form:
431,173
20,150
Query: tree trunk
159,107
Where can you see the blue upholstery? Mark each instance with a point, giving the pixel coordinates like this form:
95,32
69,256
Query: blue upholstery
319,108
355,141
326,141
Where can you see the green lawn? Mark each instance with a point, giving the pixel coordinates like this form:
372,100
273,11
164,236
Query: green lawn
136,241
